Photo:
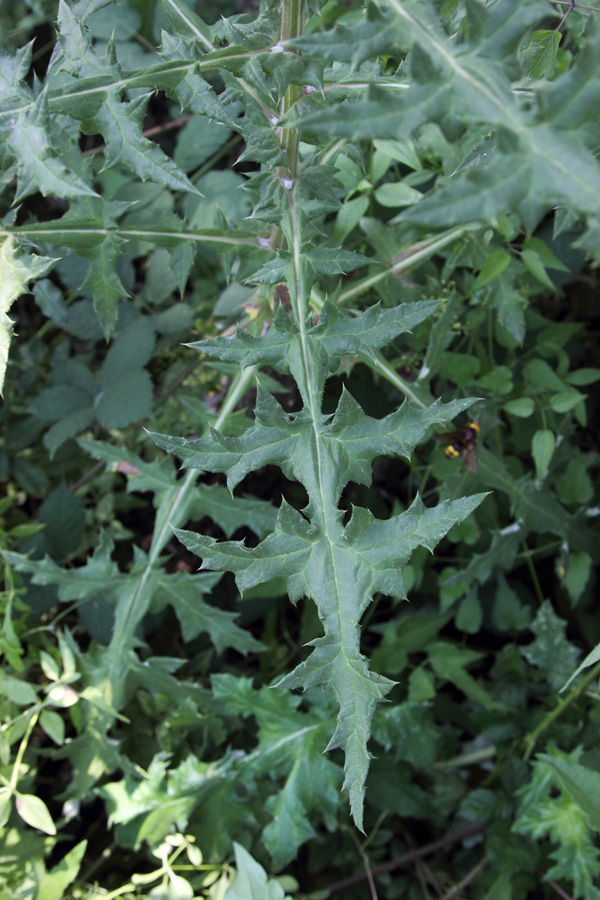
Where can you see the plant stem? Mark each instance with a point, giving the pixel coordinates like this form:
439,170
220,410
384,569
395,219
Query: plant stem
534,576
469,877
22,747
531,739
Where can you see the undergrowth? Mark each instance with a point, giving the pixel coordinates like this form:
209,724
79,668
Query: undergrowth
337,260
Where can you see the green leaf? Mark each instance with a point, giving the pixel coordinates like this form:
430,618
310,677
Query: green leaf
534,150
591,659
19,692
401,151
577,574
574,487
121,126
185,594
336,333
197,141
469,616
449,662
421,686
125,401
581,377
348,218
540,374
461,368
494,265
251,882
64,518
16,271
581,783
131,349
290,744
534,263
565,401
542,450
522,408
550,651
499,380
545,254
54,726
34,144
35,812
68,427
365,558
538,55
509,614
397,195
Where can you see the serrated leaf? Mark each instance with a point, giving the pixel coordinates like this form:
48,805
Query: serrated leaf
334,262
464,77
121,126
582,784
336,333
550,651
365,558
39,165
195,615
16,271
67,427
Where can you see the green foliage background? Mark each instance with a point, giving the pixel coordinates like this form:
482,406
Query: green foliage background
295,244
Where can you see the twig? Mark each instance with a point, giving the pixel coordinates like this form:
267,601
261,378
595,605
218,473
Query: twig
572,5
422,870
365,859
555,887
426,850
86,476
467,879
566,15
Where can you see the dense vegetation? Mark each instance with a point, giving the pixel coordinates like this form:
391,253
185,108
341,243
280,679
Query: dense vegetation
302,296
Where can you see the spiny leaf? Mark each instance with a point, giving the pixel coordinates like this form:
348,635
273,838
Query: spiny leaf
39,166
337,333
16,271
195,615
341,578
121,126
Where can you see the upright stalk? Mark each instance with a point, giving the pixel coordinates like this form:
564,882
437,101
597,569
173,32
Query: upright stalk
293,19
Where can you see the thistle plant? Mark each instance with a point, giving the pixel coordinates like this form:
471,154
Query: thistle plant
304,102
